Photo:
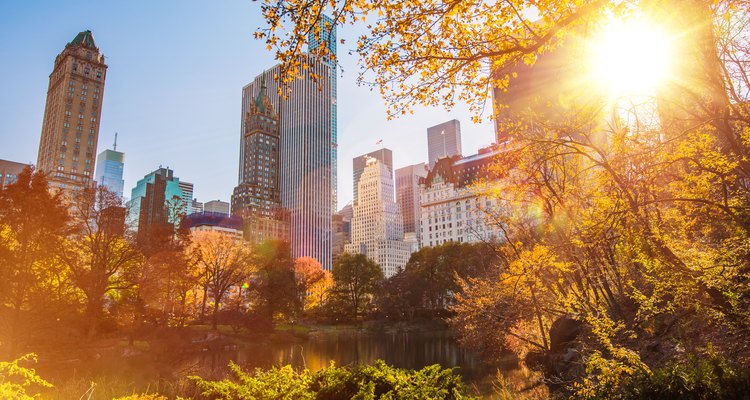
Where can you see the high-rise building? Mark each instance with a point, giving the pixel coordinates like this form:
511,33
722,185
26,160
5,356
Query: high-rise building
407,195
383,155
70,129
109,169
257,197
377,227
452,208
443,140
156,200
187,197
216,206
305,180
327,39
9,171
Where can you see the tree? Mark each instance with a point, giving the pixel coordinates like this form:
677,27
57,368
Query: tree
223,263
312,280
33,223
101,262
634,223
273,288
355,279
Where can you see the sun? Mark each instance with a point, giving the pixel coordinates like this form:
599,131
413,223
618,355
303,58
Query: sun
631,58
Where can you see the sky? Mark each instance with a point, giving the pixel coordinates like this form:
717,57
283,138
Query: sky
174,86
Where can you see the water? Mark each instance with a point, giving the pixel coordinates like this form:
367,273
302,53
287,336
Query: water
410,350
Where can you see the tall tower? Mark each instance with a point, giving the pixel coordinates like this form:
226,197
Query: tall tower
305,178
327,38
377,226
443,140
257,197
70,129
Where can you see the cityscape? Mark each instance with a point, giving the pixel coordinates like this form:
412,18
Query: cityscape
585,236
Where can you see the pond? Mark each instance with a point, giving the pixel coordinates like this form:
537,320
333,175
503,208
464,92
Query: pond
411,350
115,375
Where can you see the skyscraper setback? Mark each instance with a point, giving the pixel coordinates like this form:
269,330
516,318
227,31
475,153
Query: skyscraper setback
72,114
385,156
306,143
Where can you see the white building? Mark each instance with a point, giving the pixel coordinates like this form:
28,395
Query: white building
377,227
455,210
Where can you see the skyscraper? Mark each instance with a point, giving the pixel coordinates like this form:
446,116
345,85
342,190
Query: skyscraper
70,129
443,140
327,38
109,168
407,195
257,197
156,200
383,155
305,180
377,227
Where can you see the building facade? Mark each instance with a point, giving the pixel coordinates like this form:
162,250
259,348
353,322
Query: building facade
306,163
377,227
385,156
341,231
216,206
257,197
187,197
407,196
453,208
9,171
156,200
443,140
109,170
197,206
214,222
70,129
327,39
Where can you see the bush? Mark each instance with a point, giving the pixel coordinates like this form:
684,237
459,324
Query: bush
700,378
15,379
379,381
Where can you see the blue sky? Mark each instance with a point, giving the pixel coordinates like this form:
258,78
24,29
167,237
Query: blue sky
173,89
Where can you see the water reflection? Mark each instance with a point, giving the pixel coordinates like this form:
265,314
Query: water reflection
402,350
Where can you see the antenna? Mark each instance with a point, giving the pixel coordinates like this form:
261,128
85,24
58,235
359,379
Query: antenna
115,145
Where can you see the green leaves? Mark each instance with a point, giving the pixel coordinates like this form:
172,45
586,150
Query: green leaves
378,381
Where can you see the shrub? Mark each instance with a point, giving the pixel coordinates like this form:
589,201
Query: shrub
16,379
378,381
700,378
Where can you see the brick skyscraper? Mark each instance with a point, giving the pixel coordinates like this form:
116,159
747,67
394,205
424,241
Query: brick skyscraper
70,130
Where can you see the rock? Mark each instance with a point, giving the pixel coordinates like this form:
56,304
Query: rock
563,331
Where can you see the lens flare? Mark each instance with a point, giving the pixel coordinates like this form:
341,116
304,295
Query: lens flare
631,58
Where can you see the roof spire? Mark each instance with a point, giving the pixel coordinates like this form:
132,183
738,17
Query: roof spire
260,100
115,145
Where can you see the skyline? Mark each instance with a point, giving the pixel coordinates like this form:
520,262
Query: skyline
168,103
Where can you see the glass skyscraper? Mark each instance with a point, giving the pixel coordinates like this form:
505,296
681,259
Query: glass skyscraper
109,166
152,197
328,38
